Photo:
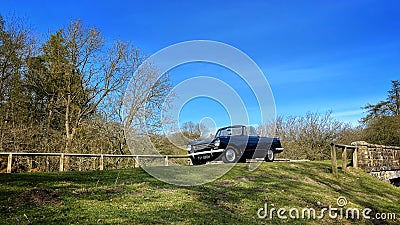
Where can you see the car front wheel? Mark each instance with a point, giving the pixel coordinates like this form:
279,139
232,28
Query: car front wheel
230,156
270,156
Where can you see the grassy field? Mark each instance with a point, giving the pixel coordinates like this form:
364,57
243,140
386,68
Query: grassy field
134,197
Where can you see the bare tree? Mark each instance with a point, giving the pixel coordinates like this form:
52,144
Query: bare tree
143,101
136,107
306,137
99,72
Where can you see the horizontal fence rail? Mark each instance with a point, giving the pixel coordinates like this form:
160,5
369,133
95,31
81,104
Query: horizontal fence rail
100,156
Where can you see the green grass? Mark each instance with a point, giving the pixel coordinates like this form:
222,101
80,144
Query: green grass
98,197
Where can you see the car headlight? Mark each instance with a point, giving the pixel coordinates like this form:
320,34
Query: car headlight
188,147
217,143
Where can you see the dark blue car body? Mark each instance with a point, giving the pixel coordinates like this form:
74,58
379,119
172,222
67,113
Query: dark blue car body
234,144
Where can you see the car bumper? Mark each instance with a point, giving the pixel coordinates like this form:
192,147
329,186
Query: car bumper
211,151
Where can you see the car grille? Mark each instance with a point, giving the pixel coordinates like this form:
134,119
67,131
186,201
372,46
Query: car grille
201,146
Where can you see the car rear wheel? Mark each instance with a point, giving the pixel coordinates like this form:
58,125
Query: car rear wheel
230,156
270,156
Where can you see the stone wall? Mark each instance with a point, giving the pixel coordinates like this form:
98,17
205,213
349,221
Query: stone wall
378,160
374,158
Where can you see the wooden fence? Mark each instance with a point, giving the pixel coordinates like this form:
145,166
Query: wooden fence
100,156
345,150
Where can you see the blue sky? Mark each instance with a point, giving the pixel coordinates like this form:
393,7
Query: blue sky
316,55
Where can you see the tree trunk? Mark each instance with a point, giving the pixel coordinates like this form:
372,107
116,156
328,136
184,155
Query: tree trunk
48,122
67,125
68,141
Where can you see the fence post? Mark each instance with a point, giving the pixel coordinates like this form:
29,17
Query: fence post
80,164
30,162
101,162
334,160
344,159
166,160
355,158
9,162
47,164
61,162
137,161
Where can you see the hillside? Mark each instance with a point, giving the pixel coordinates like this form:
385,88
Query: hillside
134,197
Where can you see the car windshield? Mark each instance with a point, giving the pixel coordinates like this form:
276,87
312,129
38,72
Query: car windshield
230,131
